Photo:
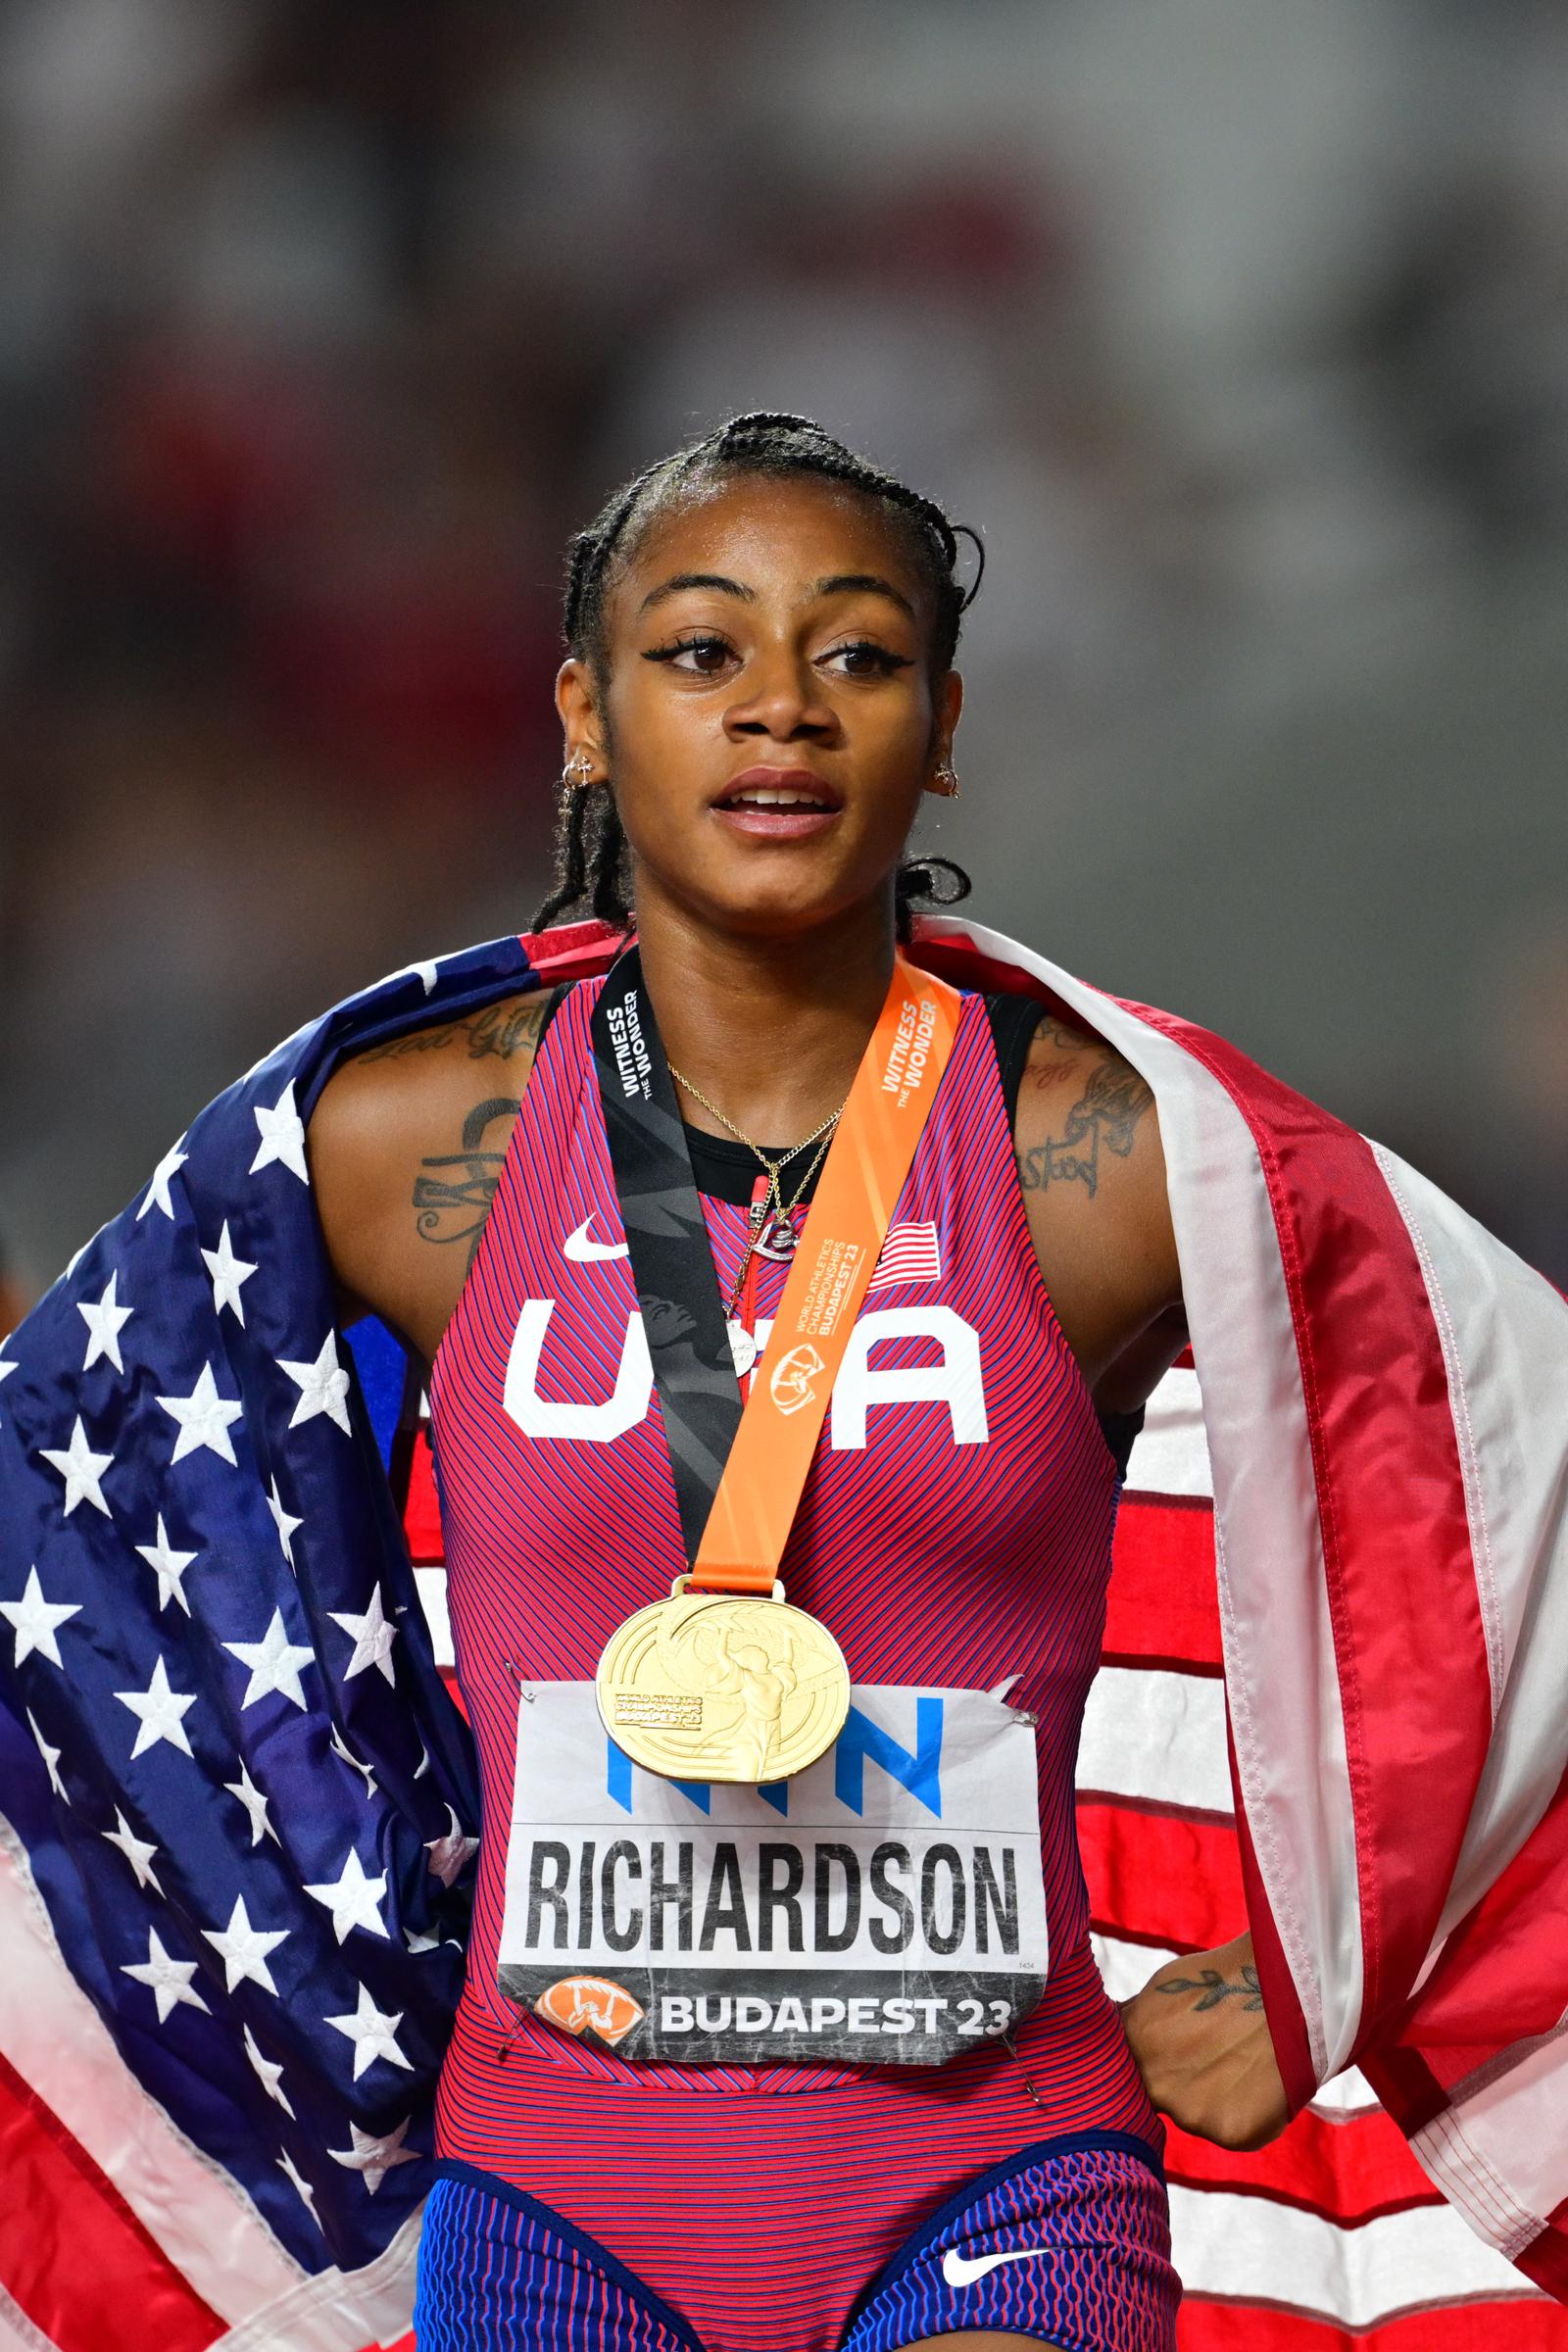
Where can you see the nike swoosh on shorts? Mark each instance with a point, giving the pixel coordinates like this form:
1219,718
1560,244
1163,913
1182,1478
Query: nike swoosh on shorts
582,1251
962,2270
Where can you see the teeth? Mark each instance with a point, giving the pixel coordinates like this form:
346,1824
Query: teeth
761,796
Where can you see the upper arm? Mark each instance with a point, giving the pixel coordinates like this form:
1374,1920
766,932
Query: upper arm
406,1145
1092,1172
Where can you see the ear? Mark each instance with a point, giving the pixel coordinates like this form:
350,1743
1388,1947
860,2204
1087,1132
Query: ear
944,726
578,706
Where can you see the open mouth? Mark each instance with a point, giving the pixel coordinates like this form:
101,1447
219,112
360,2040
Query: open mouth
778,805
761,796
775,790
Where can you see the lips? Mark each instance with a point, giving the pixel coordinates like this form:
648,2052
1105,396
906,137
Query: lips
778,805
798,790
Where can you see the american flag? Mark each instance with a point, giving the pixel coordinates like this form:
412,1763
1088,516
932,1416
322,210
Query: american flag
240,1804
911,1253
236,1850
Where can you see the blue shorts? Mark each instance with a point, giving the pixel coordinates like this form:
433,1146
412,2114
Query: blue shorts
1067,2243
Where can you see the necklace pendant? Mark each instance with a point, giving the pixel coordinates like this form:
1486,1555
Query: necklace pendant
777,1242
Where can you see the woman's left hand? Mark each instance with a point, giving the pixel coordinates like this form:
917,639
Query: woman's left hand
1201,2045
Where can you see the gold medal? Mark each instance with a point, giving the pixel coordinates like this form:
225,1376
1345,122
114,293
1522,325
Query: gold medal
723,1687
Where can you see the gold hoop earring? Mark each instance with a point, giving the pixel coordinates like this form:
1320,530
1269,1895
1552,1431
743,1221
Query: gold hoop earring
945,781
578,771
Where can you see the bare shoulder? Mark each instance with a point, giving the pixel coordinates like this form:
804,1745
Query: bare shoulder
406,1146
1083,1104
1093,1171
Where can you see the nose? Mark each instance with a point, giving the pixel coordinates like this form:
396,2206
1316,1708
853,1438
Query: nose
783,702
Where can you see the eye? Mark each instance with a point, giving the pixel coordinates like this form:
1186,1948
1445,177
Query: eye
865,659
697,655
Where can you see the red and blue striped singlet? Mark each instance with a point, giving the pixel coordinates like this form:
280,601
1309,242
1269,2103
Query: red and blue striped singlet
954,1530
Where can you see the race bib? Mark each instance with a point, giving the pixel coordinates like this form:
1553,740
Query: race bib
884,1906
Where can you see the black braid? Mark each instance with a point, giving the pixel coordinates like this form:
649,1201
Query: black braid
590,857
592,860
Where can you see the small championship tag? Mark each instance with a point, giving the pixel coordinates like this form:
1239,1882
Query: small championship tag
885,1905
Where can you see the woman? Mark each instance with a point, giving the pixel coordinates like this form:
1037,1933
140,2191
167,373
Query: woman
760,691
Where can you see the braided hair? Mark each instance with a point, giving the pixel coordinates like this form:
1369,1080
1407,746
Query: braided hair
592,860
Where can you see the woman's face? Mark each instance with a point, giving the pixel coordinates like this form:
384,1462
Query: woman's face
769,718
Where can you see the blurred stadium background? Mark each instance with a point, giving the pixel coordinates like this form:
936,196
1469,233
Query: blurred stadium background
1238,327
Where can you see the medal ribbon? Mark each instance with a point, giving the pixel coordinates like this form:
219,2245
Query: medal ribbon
739,1474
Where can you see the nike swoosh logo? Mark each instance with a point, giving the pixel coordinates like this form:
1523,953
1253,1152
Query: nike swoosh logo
583,1251
962,2270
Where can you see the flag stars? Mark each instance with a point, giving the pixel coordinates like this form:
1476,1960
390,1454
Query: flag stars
374,2158
229,1274
372,1636
170,1566
160,1711
323,1387
204,1419
105,1321
38,1620
450,1854
168,1977
81,1469
136,1850
254,1801
353,1899
373,2033
157,1194
269,2074
274,1663
307,2192
50,1755
282,1136
243,1950
340,1748
424,972
286,1524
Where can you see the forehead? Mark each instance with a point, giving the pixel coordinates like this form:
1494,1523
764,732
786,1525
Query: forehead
776,535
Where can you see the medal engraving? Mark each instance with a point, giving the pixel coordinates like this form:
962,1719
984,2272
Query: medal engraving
711,1687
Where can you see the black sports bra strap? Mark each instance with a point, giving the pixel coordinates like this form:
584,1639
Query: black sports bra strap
554,998
1013,1022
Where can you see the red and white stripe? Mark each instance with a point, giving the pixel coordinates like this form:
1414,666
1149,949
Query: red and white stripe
1386,1597
911,1253
1334,2234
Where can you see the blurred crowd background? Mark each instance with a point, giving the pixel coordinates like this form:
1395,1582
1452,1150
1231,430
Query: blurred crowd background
1238,327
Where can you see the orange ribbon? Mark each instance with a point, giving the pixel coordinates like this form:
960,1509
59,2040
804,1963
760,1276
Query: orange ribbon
754,1509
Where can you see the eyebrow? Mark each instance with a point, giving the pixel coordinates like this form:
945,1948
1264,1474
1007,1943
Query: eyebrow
865,583
837,583
696,579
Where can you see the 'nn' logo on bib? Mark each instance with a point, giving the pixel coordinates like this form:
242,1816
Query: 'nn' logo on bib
918,1770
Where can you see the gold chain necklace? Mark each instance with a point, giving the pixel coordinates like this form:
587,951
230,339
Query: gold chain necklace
781,1211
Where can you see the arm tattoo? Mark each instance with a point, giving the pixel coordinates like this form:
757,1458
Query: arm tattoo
1104,1119
454,1208
1213,1987
500,1029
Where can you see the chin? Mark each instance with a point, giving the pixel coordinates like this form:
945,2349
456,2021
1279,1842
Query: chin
781,914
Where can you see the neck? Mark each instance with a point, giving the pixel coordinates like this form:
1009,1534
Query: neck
772,1029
